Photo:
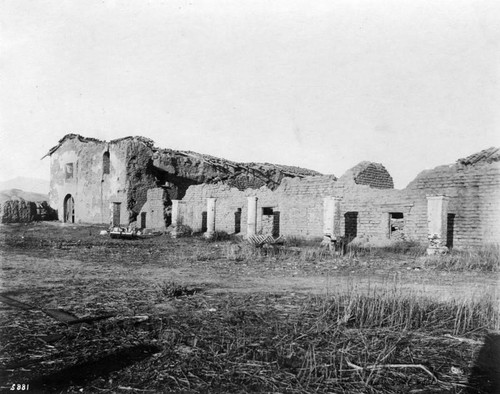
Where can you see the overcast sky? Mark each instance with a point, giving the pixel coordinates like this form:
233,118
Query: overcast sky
317,84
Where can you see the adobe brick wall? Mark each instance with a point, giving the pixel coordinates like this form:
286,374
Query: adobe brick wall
474,193
370,174
300,204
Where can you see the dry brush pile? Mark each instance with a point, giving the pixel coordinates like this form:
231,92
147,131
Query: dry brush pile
351,343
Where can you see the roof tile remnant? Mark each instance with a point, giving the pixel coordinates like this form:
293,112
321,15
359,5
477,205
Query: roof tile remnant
486,156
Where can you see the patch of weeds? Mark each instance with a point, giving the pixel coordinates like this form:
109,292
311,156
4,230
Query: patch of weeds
240,251
182,230
220,236
295,241
172,289
407,248
486,258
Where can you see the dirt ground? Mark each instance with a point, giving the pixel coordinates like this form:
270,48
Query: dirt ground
74,269
52,257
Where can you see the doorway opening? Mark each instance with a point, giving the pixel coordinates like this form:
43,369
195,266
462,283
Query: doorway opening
351,225
237,221
204,222
450,230
69,209
116,214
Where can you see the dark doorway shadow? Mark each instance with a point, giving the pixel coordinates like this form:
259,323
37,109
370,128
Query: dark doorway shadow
450,230
204,221
351,226
237,221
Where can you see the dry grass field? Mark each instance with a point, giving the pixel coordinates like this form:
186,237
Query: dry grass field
81,312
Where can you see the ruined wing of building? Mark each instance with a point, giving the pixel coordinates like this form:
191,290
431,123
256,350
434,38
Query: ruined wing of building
131,182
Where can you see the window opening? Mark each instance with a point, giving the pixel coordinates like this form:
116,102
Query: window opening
69,170
396,225
267,211
105,163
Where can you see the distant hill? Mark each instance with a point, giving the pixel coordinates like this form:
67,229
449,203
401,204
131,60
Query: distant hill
32,185
16,194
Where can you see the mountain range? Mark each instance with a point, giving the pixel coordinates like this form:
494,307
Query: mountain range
30,185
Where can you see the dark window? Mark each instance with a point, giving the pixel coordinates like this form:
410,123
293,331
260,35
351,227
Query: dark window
69,170
143,219
267,211
237,221
105,163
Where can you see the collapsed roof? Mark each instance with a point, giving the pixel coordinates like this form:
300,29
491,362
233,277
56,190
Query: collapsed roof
190,167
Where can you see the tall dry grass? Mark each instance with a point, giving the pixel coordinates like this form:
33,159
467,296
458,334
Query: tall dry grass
484,258
350,342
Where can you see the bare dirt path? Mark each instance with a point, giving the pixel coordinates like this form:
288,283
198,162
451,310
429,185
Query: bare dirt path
22,273
56,264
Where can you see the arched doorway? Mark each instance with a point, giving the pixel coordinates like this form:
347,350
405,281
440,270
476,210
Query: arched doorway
69,209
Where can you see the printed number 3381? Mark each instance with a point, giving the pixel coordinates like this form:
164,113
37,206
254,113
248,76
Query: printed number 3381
20,387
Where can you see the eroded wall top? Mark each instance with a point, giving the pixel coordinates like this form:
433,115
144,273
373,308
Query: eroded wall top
464,172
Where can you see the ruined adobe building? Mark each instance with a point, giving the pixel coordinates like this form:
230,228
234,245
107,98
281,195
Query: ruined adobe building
93,181
130,181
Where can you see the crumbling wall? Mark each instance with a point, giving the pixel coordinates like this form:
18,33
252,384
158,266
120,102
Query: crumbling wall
139,174
371,209
474,192
185,169
366,197
370,174
119,173
300,203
